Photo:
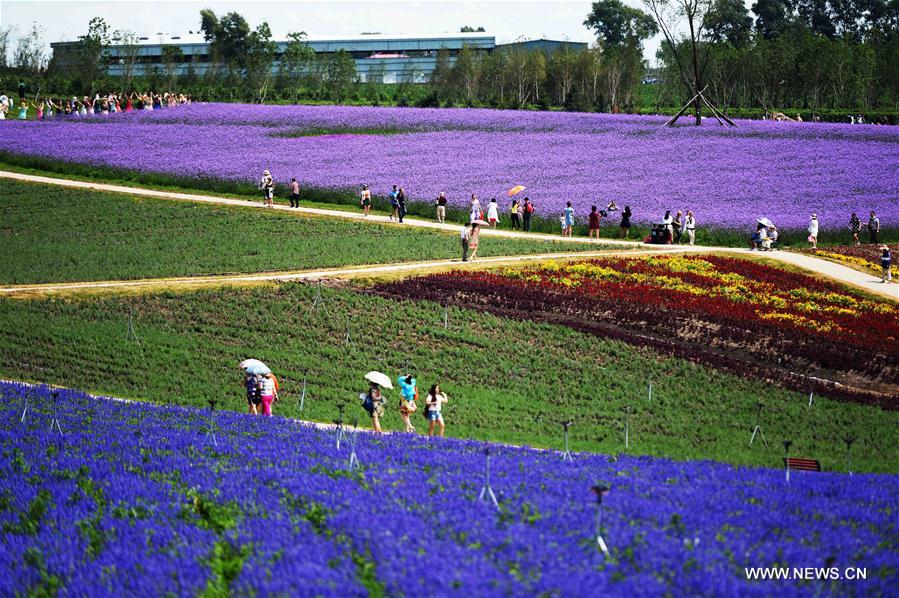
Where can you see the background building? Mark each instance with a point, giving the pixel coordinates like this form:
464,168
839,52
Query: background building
379,57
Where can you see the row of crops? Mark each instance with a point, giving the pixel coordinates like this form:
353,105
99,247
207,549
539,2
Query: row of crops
510,379
120,498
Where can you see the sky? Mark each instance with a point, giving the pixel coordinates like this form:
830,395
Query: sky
507,20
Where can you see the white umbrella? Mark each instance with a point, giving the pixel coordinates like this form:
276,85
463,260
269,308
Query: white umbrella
480,222
379,379
254,366
765,221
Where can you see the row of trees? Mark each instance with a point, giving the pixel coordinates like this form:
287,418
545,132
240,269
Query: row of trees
807,55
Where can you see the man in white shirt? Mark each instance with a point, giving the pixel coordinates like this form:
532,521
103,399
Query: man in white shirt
465,236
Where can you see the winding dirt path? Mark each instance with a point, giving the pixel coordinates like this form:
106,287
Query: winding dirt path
821,267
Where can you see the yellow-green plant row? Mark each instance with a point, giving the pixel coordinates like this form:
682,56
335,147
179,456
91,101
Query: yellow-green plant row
508,380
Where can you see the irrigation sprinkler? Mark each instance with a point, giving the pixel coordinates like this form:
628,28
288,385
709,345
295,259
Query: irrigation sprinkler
810,396
446,315
566,456
55,420
319,301
486,490
341,434
849,440
211,432
627,426
354,460
787,444
130,334
758,425
347,339
25,410
650,389
303,392
600,491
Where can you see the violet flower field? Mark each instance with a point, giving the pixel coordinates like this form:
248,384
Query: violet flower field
135,499
728,177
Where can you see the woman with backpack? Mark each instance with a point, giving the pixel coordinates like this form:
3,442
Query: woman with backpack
373,403
254,393
433,403
269,393
408,396
527,212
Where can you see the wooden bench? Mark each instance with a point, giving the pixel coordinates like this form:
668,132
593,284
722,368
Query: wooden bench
799,464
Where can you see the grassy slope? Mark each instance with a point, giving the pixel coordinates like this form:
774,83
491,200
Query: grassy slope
503,375
56,234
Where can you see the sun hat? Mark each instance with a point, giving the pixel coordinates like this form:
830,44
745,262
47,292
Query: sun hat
265,172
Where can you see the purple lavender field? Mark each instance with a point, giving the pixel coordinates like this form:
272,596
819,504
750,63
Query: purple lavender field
134,499
726,176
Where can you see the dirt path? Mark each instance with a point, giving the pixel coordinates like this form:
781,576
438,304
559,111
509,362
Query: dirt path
821,267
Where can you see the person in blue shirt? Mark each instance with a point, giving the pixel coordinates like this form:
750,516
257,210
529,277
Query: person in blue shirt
409,392
886,262
395,203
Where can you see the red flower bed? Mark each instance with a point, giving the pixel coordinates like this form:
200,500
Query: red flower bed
734,314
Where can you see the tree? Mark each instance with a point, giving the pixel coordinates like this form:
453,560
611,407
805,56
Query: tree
129,51
340,74
728,21
4,45
691,56
616,23
467,29
467,73
91,54
772,17
228,37
296,61
30,55
172,57
258,61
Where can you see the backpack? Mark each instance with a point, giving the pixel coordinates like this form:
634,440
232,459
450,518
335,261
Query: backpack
529,208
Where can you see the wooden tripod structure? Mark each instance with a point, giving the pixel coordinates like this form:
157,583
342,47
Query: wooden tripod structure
719,116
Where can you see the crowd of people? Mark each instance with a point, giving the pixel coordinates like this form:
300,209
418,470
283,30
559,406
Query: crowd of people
110,103
375,404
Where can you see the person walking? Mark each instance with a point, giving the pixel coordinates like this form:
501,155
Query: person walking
669,229
873,227
473,239
269,386
568,219
294,193
855,225
465,237
475,213
593,222
267,184
513,214
401,203
254,393
394,203
433,404
365,200
441,207
373,403
626,222
678,225
493,212
813,231
528,212
690,227
409,394
886,262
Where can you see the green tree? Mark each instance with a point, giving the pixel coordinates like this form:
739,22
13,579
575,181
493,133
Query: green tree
340,74
260,55
91,54
728,21
615,23
229,38
172,57
772,17
296,62
468,29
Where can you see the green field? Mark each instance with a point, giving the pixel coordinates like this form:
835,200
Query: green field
54,234
503,376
